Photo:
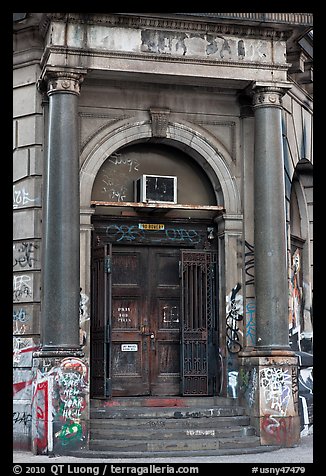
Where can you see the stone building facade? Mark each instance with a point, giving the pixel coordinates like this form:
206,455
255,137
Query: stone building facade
143,143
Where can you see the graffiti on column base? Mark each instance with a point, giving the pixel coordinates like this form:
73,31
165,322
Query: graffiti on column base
42,431
59,402
275,428
71,378
70,432
234,311
277,389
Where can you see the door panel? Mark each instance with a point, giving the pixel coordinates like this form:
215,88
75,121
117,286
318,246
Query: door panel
145,321
129,360
165,321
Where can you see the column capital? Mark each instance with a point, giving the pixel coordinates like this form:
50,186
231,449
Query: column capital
61,81
269,94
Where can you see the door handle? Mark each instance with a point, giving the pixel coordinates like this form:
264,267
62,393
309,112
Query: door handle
144,333
152,336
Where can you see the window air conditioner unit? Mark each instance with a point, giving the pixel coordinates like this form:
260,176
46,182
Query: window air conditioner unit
156,188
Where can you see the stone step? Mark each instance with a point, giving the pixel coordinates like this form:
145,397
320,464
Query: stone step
159,426
165,412
155,423
152,401
174,445
135,433
108,455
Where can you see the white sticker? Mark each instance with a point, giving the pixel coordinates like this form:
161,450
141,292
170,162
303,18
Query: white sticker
129,347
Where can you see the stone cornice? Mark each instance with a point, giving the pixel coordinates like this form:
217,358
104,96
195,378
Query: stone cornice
172,23
298,19
160,57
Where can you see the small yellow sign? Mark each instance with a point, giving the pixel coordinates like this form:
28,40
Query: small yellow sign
151,226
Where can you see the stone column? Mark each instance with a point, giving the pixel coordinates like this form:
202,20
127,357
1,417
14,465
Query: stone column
61,289
60,384
269,222
268,373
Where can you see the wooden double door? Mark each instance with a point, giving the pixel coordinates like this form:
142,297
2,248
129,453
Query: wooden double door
154,321
145,335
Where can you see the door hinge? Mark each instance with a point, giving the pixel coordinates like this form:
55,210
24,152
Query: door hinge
108,264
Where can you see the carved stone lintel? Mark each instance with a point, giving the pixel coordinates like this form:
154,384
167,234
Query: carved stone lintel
268,96
160,120
62,81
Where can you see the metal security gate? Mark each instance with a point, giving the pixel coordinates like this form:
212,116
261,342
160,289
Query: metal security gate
199,347
101,312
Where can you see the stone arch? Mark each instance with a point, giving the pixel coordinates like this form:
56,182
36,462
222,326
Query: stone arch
206,150
202,146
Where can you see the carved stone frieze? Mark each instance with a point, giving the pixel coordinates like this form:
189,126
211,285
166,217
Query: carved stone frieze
164,22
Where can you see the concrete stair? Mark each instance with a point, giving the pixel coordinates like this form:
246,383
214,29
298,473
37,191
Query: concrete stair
178,426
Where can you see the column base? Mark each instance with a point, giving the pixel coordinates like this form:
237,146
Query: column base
60,402
268,388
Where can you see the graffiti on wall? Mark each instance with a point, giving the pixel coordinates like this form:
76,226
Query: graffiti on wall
21,318
250,311
23,348
24,255
251,322
21,198
249,264
295,296
21,421
83,316
22,288
306,399
234,313
134,233
249,384
60,396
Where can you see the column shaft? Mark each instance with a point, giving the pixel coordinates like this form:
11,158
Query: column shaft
269,221
60,293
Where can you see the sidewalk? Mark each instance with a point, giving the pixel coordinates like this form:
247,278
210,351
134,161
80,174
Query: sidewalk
300,454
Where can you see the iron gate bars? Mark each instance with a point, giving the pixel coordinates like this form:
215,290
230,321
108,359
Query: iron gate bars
198,311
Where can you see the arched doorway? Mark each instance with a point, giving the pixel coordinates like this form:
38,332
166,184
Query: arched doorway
156,325
205,157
